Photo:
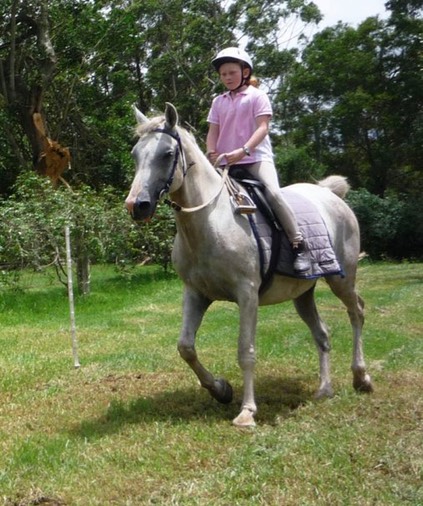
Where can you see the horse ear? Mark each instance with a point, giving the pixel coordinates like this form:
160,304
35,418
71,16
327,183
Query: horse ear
139,115
171,115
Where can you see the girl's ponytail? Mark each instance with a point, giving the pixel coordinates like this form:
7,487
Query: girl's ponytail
253,81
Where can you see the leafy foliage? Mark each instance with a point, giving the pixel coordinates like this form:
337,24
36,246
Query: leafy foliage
379,220
32,228
356,98
349,102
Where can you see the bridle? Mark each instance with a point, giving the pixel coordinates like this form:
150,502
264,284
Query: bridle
179,151
185,167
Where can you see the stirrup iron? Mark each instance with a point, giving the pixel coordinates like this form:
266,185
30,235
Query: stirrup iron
243,204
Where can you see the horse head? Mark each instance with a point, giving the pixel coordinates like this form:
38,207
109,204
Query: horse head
159,161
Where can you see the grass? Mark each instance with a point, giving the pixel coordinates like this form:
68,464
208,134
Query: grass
132,427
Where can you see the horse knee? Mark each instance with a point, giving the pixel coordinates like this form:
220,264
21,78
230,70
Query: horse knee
356,317
187,352
322,340
246,356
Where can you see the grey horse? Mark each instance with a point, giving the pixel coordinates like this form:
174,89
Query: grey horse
217,258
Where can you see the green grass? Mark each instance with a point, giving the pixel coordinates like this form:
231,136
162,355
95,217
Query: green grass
132,426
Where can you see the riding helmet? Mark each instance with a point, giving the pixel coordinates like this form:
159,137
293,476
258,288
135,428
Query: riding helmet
232,55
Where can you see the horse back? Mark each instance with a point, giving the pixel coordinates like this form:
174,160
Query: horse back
339,218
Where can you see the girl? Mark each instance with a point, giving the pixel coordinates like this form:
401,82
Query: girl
239,128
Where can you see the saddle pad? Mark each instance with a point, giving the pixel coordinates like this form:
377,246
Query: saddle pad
314,230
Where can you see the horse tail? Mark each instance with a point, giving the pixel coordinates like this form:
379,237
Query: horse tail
336,184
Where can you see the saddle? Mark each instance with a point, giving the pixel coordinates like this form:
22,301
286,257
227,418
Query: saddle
273,245
249,200
254,198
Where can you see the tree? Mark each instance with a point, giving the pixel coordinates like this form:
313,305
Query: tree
24,84
350,103
356,99
82,63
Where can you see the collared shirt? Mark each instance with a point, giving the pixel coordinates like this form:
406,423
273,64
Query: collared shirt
236,116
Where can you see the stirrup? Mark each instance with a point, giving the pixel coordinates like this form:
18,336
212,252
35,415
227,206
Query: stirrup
302,259
243,204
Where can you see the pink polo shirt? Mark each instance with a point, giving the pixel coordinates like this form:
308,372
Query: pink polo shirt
236,117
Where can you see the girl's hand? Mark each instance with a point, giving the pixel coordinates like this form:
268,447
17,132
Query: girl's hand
235,156
212,156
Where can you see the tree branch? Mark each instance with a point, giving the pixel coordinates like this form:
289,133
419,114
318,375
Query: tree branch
45,45
12,57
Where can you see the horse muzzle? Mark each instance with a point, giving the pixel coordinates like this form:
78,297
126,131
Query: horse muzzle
140,210
143,210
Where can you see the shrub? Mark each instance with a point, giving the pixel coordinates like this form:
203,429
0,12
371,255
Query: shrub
379,221
295,164
408,242
32,225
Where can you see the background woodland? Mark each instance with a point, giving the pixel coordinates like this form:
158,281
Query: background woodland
346,100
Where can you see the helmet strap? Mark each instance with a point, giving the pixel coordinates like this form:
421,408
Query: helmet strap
243,79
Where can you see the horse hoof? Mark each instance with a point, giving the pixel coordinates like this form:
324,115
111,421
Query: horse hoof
363,385
324,392
222,391
244,419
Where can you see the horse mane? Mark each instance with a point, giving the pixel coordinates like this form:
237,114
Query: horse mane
145,128
189,142
187,138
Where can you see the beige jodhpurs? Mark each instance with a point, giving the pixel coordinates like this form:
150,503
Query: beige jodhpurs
266,173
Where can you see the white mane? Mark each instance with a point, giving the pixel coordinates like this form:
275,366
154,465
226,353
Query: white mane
192,149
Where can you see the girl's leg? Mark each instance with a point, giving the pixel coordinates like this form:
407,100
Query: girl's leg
266,173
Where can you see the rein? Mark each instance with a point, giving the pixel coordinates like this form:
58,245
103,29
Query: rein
182,209
185,168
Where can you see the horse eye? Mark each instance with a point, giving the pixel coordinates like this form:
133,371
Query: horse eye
168,154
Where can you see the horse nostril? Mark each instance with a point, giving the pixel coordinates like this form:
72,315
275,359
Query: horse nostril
142,205
142,209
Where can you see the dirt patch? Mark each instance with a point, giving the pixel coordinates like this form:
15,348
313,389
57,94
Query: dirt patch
34,498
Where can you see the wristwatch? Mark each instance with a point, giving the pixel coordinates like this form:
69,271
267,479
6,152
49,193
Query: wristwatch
246,150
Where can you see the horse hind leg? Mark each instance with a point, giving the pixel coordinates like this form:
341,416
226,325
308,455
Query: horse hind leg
344,289
306,308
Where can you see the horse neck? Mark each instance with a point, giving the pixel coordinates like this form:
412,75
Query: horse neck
201,181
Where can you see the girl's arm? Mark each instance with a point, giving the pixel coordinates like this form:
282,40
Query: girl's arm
212,136
262,123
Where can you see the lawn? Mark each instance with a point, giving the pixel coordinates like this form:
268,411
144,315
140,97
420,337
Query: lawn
131,426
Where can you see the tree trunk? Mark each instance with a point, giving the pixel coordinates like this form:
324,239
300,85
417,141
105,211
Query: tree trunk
24,98
83,273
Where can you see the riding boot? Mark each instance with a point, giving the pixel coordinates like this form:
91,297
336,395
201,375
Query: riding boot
302,261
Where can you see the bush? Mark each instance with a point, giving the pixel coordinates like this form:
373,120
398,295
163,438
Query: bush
295,164
32,225
382,223
408,242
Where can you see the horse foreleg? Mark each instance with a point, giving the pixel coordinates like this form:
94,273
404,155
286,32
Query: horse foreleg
247,360
306,308
194,307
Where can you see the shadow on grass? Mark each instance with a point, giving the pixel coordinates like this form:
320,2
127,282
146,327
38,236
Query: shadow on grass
276,398
146,276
